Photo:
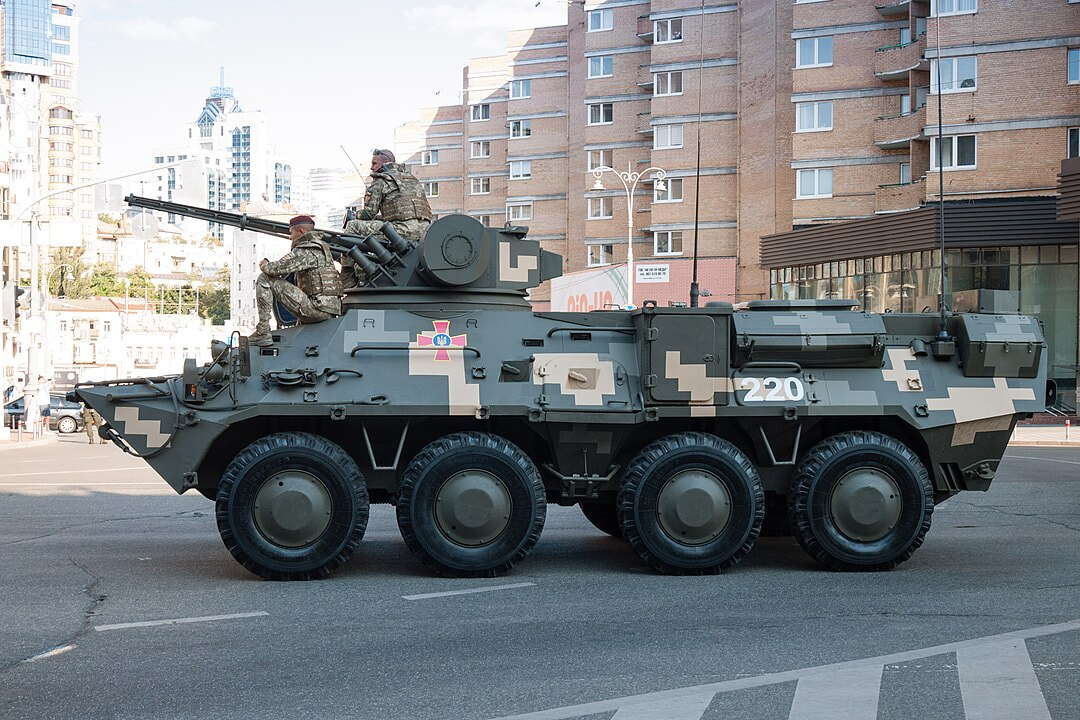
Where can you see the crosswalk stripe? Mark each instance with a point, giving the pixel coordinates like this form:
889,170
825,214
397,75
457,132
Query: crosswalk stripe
997,682
856,690
685,708
673,696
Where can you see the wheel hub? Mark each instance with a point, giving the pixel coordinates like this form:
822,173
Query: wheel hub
694,507
472,508
866,504
292,509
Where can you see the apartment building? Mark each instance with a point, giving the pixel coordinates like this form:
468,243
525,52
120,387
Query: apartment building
798,140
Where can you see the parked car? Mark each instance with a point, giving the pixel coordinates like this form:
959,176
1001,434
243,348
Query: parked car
64,416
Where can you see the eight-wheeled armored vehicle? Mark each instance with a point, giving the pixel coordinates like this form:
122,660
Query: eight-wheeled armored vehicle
441,391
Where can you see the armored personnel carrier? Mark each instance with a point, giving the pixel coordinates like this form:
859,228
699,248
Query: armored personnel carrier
439,390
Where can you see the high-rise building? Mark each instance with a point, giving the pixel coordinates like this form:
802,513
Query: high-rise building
799,144
232,160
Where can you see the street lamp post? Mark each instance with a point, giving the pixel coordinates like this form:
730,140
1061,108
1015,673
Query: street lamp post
629,180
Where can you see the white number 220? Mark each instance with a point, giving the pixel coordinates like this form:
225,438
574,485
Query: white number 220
774,389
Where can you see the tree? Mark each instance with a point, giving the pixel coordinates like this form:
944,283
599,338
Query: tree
214,299
103,282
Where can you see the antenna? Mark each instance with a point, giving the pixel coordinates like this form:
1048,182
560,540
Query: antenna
943,334
350,160
695,291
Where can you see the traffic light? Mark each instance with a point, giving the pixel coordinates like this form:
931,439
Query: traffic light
20,304
12,293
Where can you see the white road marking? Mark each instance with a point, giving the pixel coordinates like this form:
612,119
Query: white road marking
71,472
845,668
688,708
133,483
818,696
997,682
1026,457
179,621
51,653
448,593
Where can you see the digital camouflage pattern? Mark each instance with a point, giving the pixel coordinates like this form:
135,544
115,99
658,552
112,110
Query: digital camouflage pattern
680,429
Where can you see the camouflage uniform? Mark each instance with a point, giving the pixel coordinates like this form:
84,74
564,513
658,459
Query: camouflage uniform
394,196
90,420
317,293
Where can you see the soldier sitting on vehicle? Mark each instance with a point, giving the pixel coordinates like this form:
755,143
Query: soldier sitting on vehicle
394,196
317,293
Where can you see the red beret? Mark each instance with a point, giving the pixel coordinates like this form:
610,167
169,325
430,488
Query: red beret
301,220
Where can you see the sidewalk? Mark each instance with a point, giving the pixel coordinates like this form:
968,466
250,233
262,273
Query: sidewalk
28,440
1054,435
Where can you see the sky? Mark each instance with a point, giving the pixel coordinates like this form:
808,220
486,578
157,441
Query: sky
327,73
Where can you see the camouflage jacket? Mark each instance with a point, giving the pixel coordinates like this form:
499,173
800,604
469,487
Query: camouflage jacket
394,195
305,255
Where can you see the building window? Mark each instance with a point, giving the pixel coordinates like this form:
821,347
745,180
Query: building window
429,157
667,83
905,173
957,74
957,152
520,128
485,220
60,113
600,20
431,189
667,242
521,211
480,148
1074,65
667,31
667,137
953,7
599,254
813,116
481,112
815,183
600,208
1074,143
520,169
600,67
813,52
520,89
599,158
601,114
672,191
479,186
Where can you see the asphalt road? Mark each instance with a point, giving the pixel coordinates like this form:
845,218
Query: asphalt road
118,600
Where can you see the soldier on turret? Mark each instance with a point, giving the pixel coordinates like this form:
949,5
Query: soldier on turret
317,293
394,196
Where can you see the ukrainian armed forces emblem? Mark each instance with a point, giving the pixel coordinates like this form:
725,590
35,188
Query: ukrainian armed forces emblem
441,340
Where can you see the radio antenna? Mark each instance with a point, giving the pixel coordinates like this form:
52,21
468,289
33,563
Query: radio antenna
943,334
695,291
350,160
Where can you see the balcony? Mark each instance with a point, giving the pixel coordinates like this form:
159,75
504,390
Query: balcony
892,132
893,62
899,197
891,8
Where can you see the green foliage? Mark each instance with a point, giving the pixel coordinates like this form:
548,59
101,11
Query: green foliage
106,218
214,299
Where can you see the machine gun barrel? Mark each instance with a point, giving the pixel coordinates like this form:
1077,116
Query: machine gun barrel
243,221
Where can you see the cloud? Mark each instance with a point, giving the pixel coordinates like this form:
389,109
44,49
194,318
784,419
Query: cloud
182,29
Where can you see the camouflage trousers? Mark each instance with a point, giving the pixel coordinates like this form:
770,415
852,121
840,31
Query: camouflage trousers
414,230
409,229
268,289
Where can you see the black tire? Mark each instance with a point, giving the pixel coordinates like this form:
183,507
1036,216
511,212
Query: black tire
258,521
604,516
679,470
882,515
471,504
67,425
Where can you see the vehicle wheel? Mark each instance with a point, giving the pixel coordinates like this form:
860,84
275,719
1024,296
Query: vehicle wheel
67,425
471,504
292,506
691,504
860,501
603,515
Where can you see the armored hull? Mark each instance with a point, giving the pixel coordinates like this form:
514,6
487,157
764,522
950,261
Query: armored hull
681,430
